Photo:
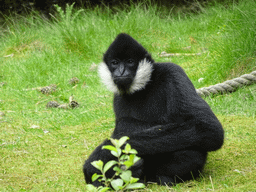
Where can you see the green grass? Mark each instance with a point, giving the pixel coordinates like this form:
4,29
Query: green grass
36,53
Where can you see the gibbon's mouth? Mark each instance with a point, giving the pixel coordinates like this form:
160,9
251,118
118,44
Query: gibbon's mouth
123,81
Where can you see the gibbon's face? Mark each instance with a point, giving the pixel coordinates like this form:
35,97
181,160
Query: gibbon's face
123,72
127,66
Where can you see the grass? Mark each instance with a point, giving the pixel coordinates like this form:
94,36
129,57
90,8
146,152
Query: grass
44,149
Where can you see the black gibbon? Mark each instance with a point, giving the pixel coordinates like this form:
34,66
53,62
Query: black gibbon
157,107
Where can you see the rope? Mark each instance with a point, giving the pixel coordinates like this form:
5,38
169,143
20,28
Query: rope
228,86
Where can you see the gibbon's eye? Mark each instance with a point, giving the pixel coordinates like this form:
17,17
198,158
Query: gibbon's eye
114,62
130,61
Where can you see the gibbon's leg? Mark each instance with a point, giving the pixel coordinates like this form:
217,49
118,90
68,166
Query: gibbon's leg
169,169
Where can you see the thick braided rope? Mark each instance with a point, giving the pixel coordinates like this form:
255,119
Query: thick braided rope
228,86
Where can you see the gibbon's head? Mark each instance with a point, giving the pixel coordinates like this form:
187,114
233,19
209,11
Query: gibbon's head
126,66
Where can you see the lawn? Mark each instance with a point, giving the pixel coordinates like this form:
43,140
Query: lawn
43,149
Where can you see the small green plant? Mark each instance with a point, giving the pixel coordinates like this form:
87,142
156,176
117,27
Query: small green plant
67,16
122,179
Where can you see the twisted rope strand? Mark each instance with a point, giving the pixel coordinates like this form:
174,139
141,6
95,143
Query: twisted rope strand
229,85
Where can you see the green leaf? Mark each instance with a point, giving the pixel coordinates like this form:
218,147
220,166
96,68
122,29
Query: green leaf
104,189
136,158
108,165
95,176
91,188
117,184
117,170
135,186
133,151
113,141
109,147
114,153
128,164
119,152
126,176
127,147
134,180
98,164
131,158
124,157
122,140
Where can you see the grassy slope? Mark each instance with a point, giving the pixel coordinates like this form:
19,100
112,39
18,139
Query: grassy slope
45,53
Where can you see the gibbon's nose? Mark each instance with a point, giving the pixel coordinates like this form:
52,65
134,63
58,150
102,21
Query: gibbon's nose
121,69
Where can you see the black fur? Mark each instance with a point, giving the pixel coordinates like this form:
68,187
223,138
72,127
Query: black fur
170,126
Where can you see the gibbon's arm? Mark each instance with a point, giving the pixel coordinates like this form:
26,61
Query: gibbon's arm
173,137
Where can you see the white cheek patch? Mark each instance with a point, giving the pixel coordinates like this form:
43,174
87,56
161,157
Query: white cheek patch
141,78
106,78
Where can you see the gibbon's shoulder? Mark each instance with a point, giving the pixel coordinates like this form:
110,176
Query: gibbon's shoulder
168,68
